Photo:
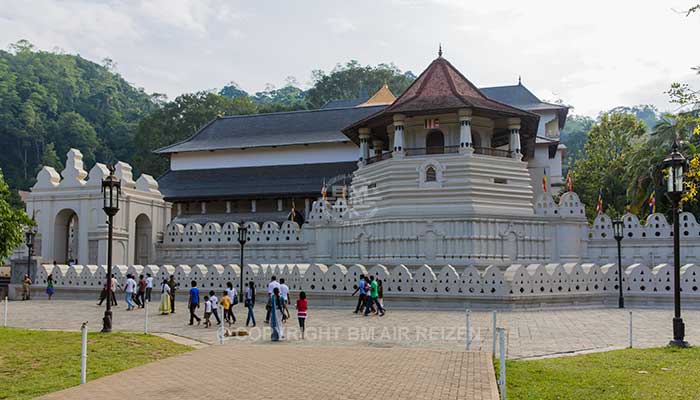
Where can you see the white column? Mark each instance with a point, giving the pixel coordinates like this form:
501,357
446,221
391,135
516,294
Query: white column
398,136
204,207
228,207
179,209
280,204
307,207
364,145
252,206
465,131
514,130
378,145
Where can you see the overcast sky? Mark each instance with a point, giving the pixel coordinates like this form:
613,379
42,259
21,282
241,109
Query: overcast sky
593,55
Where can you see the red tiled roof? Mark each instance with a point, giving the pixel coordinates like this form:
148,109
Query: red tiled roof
442,86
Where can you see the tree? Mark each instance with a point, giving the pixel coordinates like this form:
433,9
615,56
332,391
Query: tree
354,80
12,222
605,161
573,136
49,157
648,113
178,120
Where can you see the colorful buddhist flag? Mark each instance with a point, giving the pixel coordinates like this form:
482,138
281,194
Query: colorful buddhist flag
544,181
628,207
345,191
432,123
293,213
599,204
652,202
569,182
324,190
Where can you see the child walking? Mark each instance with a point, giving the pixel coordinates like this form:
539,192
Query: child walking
302,306
207,312
226,304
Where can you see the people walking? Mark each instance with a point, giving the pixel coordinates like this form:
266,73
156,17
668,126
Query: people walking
49,286
270,289
226,305
250,302
363,294
149,286
373,298
165,298
114,285
207,312
276,315
193,303
141,295
129,287
234,300
214,306
302,306
381,292
173,286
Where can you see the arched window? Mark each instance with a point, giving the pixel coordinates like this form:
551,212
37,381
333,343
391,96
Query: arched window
430,174
434,142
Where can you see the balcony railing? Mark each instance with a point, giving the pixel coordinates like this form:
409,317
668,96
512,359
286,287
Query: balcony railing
434,150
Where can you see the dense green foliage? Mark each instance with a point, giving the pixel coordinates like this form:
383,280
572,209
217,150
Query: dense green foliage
12,222
35,363
633,374
349,81
50,102
178,120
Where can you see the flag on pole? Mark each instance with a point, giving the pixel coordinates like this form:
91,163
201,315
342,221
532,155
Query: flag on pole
569,182
293,213
544,181
599,204
345,191
324,191
652,202
628,207
432,123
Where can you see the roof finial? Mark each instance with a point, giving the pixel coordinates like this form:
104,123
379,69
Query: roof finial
440,50
520,81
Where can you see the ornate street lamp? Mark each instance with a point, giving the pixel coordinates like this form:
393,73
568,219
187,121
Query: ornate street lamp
676,166
242,239
618,234
111,189
30,233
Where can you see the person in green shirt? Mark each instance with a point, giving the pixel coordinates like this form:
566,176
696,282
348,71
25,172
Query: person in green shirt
374,297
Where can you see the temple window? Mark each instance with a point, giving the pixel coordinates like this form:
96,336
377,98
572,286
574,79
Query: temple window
430,174
435,142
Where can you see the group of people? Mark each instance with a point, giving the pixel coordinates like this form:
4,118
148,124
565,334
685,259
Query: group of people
210,302
136,293
371,297
278,308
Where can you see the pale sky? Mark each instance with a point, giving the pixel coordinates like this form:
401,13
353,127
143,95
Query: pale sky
592,54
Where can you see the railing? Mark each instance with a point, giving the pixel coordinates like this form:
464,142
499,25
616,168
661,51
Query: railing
433,150
489,151
421,151
383,156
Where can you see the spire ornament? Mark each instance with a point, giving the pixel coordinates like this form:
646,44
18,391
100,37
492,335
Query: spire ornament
440,50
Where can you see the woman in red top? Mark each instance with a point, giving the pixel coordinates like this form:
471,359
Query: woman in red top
301,312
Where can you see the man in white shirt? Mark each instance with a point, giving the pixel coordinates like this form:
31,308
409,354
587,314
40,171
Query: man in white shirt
214,306
231,291
270,288
149,287
284,292
129,288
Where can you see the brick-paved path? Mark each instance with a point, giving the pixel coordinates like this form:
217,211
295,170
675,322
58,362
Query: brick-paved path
290,372
530,333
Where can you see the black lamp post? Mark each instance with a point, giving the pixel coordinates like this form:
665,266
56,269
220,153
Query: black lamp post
111,189
618,233
242,239
30,233
676,166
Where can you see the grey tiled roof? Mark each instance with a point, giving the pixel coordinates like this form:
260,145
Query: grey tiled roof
274,129
344,103
518,96
251,182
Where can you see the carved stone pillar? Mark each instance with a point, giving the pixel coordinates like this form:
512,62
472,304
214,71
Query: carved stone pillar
514,130
465,132
398,136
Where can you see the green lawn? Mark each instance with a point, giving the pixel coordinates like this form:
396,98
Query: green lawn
33,363
639,374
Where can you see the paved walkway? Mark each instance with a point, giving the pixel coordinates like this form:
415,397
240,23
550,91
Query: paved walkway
291,372
530,333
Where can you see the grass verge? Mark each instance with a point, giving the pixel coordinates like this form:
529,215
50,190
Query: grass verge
639,374
33,363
